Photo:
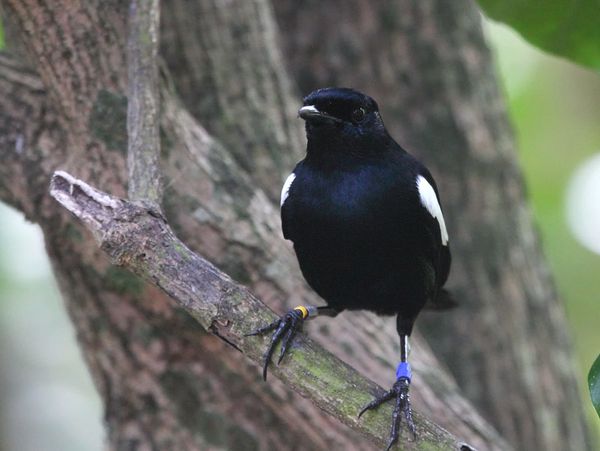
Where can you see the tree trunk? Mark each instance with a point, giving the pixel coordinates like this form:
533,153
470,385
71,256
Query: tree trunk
184,390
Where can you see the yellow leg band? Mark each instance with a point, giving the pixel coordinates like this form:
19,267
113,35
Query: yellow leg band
303,310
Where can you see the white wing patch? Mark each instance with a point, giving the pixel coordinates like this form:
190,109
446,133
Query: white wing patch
430,202
285,191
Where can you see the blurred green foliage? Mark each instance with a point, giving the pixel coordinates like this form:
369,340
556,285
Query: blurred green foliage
1,35
44,387
594,383
569,28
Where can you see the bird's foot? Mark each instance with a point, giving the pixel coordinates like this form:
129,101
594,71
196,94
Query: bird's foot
285,328
402,407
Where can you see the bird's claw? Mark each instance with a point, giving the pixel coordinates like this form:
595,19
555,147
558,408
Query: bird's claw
400,392
285,328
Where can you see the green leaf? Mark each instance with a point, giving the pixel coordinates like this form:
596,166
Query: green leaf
594,383
568,28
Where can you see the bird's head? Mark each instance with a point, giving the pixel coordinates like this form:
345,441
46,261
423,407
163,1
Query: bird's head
342,119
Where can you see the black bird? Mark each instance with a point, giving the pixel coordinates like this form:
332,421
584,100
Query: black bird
367,226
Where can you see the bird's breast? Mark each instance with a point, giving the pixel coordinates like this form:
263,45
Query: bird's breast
353,237
343,206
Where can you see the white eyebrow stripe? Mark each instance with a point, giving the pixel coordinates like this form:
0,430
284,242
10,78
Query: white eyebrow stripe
430,202
285,191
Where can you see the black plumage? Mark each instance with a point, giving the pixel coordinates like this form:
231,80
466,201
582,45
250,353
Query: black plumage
366,222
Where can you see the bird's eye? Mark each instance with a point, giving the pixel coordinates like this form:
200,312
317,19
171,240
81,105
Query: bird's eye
358,115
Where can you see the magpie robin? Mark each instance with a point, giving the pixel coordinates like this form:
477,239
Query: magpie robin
367,226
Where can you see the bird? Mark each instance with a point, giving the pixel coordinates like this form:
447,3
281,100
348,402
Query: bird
366,223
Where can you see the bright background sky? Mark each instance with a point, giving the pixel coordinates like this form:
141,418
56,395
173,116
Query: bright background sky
47,401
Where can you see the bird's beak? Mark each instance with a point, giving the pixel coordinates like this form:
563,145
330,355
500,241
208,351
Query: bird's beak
311,113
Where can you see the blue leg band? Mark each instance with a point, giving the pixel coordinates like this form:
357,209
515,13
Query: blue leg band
403,371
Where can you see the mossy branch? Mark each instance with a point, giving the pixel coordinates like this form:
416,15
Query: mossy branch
139,238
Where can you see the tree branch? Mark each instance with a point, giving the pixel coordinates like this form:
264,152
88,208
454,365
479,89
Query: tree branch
141,241
142,112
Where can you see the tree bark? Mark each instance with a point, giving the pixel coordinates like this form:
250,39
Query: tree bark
161,388
143,112
230,75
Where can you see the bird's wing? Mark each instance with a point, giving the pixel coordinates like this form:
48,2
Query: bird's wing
285,213
285,190
430,201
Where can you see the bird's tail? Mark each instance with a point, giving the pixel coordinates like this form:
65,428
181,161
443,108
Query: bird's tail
443,301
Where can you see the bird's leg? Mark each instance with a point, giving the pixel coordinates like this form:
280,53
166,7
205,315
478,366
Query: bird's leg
400,391
286,327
